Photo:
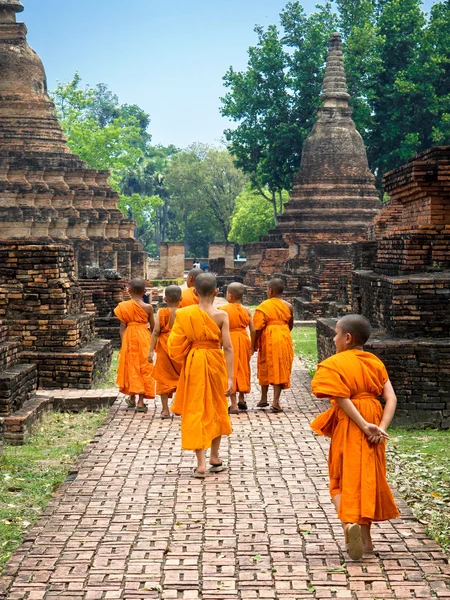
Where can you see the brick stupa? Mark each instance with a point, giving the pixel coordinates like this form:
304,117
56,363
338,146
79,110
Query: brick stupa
333,200
47,194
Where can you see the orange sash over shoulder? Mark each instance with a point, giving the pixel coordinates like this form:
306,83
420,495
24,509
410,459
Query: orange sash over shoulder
195,341
188,298
239,320
166,371
357,468
134,373
276,352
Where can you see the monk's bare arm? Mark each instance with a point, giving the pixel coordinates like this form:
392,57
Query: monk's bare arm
370,429
391,404
151,317
252,329
155,336
291,320
123,326
228,351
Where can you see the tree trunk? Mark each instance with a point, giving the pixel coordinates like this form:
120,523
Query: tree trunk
280,197
274,204
164,220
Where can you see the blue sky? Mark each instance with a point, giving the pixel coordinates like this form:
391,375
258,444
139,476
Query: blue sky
167,56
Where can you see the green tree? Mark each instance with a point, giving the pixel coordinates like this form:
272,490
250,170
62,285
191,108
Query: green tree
203,184
394,136
259,101
103,133
252,217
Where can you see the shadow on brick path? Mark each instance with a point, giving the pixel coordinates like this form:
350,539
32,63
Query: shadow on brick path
131,524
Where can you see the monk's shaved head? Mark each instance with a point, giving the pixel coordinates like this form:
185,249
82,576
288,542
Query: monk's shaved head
137,285
236,290
357,326
172,294
194,273
205,284
192,276
277,286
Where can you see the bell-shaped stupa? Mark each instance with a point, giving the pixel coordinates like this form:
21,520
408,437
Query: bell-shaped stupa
47,194
333,200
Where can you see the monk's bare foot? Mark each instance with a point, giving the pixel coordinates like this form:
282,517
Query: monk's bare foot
276,408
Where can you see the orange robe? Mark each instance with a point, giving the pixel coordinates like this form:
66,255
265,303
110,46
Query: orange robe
357,468
166,371
188,298
239,320
195,341
276,352
134,373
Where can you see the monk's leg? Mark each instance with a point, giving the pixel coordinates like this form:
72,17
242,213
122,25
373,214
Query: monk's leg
140,403
367,538
214,458
276,396
201,461
234,405
165,405
352,532
242,404
264,391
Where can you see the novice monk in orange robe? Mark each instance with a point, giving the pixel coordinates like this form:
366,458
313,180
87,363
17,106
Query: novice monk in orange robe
189,296
240,318
206,375
166,371
357,425
134,373
273,321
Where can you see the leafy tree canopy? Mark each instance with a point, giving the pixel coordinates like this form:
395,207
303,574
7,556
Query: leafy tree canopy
397,62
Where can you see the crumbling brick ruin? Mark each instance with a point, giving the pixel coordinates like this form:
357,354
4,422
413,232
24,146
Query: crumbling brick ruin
333,200
47,194
42,306
401,283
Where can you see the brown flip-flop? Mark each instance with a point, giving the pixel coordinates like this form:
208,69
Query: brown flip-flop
262,405
276,409
355,548
197,474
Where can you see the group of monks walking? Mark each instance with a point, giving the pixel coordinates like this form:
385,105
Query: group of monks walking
199,356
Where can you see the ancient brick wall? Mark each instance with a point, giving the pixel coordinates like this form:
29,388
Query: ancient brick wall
222,250
408,306
42,305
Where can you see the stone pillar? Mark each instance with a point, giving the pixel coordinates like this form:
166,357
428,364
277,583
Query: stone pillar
222,250
171,260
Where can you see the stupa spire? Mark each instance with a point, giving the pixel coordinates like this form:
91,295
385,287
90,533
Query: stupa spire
8,10
334,89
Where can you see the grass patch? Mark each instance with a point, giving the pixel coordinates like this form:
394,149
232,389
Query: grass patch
30,474
110,379
305,345
418,467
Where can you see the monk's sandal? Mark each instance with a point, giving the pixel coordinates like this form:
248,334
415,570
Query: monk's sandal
217,468
198,475
355,548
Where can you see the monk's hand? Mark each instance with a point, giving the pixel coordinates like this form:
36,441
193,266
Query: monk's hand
229,388
373,431
151,357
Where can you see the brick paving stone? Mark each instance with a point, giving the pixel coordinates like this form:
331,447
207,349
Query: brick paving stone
133,524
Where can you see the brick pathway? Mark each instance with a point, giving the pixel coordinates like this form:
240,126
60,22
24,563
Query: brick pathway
131,524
